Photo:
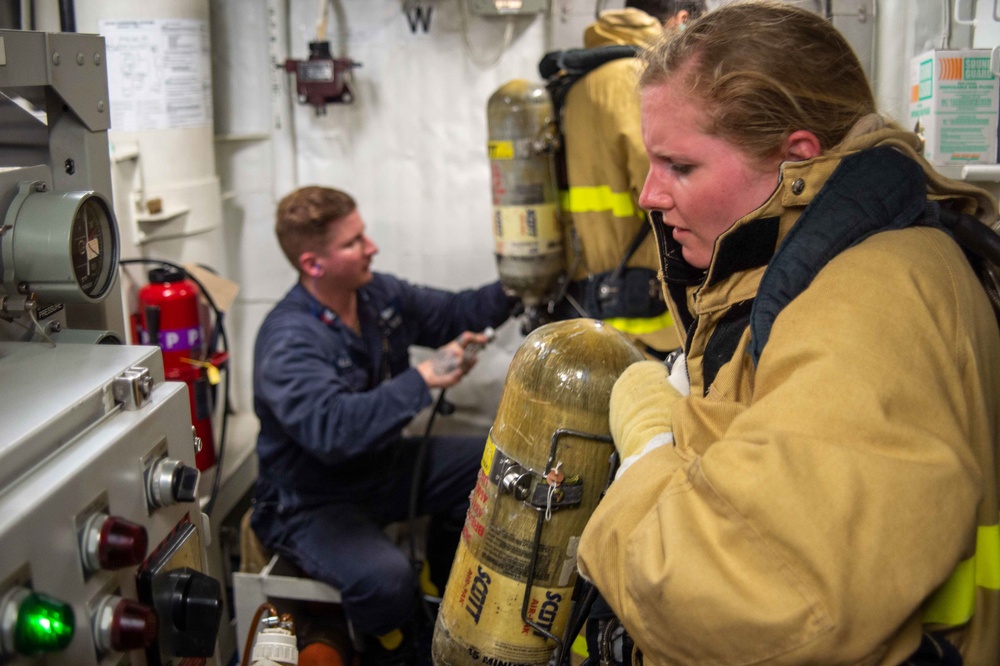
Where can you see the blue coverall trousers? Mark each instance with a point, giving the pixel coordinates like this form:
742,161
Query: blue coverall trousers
339,539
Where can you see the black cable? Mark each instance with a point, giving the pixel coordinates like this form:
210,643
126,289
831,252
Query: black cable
411,524
417,483
218,334
972,234
67,16
220,452
220,331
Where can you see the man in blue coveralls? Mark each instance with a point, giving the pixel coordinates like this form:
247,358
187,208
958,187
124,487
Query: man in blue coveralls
333,389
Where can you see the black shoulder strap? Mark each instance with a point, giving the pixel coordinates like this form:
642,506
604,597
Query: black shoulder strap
630,250
873,191
561,69
869,192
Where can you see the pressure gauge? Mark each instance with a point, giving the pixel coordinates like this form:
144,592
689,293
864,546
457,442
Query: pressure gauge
61,246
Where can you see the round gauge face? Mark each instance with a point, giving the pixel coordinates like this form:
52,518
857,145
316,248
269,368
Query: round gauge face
92,244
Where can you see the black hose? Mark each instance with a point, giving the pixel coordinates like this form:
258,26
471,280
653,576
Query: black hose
218,335
67,16
416,484
972,234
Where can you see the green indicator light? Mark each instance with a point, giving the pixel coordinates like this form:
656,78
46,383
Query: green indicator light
43,625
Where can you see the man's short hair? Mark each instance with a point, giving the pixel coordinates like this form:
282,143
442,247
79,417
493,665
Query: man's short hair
665,9
305,216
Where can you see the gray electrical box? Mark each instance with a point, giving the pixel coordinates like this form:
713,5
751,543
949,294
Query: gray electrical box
507,7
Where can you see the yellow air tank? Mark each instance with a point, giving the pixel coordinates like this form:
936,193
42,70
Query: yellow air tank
527,231
546,464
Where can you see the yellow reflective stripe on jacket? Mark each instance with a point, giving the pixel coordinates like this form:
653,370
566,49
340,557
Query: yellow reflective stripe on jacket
954,602
641,325
597,199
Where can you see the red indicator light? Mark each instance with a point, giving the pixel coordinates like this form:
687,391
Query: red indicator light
123,543
134,626
122,625
113,543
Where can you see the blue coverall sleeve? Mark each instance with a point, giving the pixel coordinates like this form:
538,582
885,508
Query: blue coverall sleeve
299,384
444,315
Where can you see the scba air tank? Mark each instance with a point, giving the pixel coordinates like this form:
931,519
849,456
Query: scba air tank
527,231
546,462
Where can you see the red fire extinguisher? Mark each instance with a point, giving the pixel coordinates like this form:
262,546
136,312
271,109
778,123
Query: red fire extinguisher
170,317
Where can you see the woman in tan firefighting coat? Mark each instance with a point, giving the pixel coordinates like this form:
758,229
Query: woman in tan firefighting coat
818,484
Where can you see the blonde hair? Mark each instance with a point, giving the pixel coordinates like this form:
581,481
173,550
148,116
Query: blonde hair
763,70
305,217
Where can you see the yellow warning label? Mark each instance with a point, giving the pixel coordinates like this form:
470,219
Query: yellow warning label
488,454
501,150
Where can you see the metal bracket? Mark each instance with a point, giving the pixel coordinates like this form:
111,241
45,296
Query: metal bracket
512,478
133,388
540,523
532,488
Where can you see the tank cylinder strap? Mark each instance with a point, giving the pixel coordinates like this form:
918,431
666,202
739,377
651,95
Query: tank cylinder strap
566,494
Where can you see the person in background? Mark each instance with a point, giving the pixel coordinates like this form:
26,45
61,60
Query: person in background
605,169
333,389
816,482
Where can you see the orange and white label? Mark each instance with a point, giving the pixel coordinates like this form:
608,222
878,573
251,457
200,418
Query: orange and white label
951,69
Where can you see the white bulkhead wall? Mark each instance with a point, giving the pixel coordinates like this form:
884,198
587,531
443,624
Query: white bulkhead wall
411,148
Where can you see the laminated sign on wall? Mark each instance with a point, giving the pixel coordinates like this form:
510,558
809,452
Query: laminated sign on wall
953,103
159,73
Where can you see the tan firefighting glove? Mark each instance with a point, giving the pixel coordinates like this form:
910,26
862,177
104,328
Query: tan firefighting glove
642,402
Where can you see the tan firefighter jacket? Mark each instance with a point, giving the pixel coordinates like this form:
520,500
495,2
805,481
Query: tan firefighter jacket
606,166
832,491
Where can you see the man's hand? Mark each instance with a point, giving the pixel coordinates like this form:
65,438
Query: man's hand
452,361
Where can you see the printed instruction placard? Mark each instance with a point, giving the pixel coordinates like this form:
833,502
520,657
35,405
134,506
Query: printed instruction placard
159,73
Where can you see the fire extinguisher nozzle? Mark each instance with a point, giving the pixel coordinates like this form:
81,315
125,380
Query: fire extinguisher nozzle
153,324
